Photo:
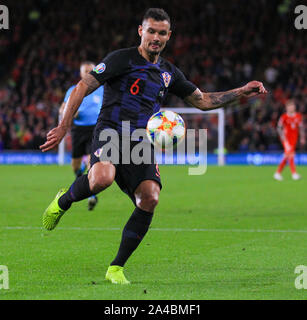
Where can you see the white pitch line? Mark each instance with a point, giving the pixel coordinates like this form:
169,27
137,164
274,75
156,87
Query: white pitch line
158,229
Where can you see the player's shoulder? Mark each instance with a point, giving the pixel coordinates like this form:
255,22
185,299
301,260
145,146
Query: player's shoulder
122,53
168,65
113,64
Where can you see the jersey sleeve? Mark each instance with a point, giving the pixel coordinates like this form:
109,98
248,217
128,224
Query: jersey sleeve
180,86
111,66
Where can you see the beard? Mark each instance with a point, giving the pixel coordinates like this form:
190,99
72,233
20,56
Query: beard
155,52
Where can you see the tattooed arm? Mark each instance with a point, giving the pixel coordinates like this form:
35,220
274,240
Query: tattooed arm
84,87
214,100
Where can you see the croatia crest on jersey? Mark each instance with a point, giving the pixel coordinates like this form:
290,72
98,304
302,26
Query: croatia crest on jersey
166,78
100,68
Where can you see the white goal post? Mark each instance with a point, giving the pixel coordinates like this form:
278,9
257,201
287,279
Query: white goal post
221,132
61,149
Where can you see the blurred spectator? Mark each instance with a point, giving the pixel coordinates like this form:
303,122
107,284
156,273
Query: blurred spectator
270,75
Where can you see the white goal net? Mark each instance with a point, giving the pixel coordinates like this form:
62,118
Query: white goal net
213,121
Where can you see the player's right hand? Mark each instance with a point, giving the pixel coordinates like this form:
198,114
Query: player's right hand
54,137
253,88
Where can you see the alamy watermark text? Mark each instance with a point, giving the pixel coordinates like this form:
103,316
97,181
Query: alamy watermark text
4,17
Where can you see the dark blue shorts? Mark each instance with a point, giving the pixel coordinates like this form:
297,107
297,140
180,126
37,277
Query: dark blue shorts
128,176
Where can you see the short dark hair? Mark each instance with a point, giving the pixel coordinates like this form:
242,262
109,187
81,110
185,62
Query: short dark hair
157,14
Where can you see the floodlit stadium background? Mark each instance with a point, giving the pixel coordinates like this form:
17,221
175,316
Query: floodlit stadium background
219,45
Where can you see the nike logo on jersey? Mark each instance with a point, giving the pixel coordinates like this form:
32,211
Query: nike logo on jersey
98,152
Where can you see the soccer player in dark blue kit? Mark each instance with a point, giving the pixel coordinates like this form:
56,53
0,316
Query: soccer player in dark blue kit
83,126
136,82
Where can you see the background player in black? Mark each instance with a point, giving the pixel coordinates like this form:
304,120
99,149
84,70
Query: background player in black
154,32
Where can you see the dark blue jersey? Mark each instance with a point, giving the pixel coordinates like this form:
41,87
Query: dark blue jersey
134,88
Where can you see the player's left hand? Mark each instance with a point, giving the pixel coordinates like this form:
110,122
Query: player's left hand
254,88
54,137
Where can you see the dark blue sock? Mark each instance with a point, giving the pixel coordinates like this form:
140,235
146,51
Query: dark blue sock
133,233
78,191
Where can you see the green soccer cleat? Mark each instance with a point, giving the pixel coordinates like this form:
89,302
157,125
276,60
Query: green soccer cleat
116,275
53,213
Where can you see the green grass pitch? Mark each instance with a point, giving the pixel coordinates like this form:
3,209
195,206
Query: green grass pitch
233,233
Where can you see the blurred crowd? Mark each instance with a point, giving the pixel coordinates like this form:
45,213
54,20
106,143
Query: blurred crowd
218,45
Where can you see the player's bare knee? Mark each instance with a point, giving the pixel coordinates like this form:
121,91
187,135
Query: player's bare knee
148,201
153,201
147,195
101,176
100,182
